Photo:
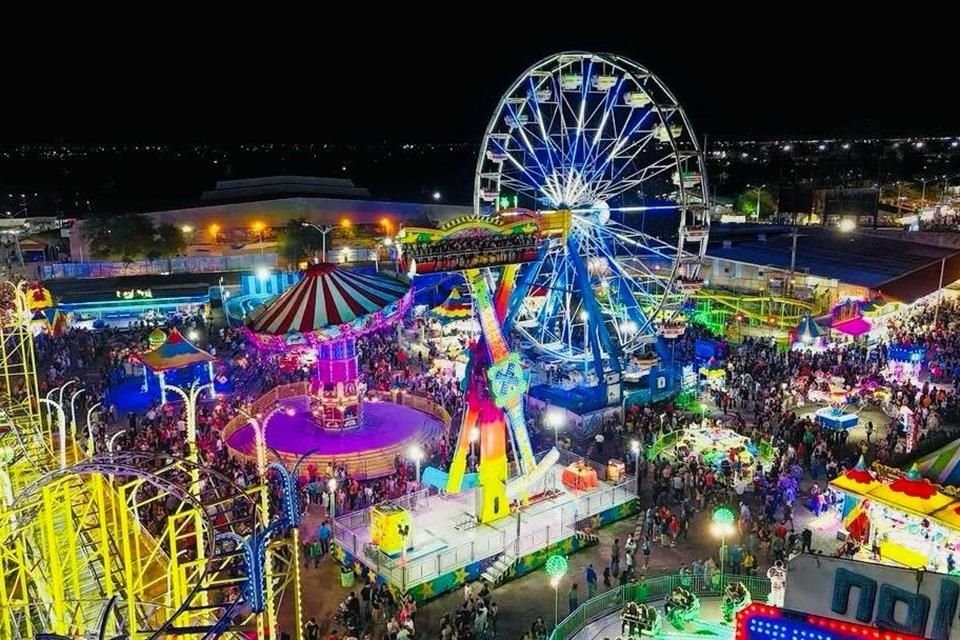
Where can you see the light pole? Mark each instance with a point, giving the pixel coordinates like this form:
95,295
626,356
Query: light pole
556,568
259,432
555,419
635,449
416,454
73,412
324,230
759,191
258,228
586,324
923,194
90,447
721,522
332,486
61,428
113,439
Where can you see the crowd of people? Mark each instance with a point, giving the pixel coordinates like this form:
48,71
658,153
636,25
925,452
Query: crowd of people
760,398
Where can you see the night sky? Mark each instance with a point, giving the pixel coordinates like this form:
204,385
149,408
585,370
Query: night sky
355,82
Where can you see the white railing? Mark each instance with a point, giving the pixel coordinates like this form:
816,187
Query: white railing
348,533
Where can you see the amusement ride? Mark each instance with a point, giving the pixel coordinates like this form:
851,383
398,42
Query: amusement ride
589,227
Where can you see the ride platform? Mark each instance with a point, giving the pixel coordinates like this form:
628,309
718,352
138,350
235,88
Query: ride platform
448,547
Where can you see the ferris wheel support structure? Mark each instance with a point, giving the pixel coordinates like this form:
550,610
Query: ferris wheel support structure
597,143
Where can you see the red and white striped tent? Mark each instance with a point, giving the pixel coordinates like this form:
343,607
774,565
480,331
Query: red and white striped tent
330,302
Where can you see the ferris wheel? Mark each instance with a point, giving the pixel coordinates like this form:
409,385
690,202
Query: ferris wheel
601,141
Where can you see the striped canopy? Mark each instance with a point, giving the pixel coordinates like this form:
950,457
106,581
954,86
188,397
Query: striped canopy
455,307
174,353
326,298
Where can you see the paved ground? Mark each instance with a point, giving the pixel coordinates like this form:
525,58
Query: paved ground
521,601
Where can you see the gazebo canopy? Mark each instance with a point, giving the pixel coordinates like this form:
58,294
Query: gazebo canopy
174,353
808,330
329,301
456,307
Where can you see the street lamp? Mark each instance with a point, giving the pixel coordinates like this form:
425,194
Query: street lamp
635,449
721,524
332,486
90,448
73,412
415,453
324,230
258,228
556,419
556,568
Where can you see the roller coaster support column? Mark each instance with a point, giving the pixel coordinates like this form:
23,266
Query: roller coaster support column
259,430
190,399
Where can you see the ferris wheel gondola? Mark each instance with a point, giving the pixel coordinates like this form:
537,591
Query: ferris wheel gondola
600,139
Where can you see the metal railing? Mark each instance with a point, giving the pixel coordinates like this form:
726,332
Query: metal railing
191,264
487,542
650,591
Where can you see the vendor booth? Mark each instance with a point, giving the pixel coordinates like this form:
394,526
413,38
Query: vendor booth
905,520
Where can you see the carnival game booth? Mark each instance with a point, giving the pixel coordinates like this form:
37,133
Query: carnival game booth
319,320
172,359
906,518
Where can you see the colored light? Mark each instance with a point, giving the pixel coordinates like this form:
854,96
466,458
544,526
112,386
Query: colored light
186,228
214,230
346,223
556,566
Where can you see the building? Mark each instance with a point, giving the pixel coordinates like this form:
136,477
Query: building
246,216
828,265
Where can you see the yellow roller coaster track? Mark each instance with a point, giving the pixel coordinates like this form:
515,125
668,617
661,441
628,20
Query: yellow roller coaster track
75,557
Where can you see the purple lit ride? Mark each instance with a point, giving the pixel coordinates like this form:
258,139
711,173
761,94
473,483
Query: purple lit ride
318,320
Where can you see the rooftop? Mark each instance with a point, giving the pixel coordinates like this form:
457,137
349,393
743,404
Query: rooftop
272,187
854,258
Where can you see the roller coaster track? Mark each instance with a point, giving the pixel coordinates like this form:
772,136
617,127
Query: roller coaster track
76,558
715,308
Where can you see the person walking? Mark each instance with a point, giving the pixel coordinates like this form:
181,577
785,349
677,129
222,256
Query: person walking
591,581
573,600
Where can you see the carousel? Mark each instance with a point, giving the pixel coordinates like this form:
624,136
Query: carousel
316,323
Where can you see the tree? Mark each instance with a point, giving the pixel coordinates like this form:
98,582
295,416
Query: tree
299,240
127,237
747,203
168,241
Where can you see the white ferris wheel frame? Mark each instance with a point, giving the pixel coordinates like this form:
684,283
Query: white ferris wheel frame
527,149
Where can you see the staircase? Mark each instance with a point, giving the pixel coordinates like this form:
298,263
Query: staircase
501,570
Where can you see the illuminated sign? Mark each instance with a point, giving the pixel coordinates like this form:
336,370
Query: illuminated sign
764,622
135,294
903,601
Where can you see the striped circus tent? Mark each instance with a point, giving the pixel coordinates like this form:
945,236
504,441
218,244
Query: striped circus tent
456,307
329,296
175,352
943,465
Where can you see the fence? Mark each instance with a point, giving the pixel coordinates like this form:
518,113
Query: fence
350,532
269,400
650,591
193,264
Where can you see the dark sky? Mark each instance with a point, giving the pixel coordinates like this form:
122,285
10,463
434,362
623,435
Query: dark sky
408,81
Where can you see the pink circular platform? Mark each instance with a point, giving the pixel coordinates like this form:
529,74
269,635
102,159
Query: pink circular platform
368,451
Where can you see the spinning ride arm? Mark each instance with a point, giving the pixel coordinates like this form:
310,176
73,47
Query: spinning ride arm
507,380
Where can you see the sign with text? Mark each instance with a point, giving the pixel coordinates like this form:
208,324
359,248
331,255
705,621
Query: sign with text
900,600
